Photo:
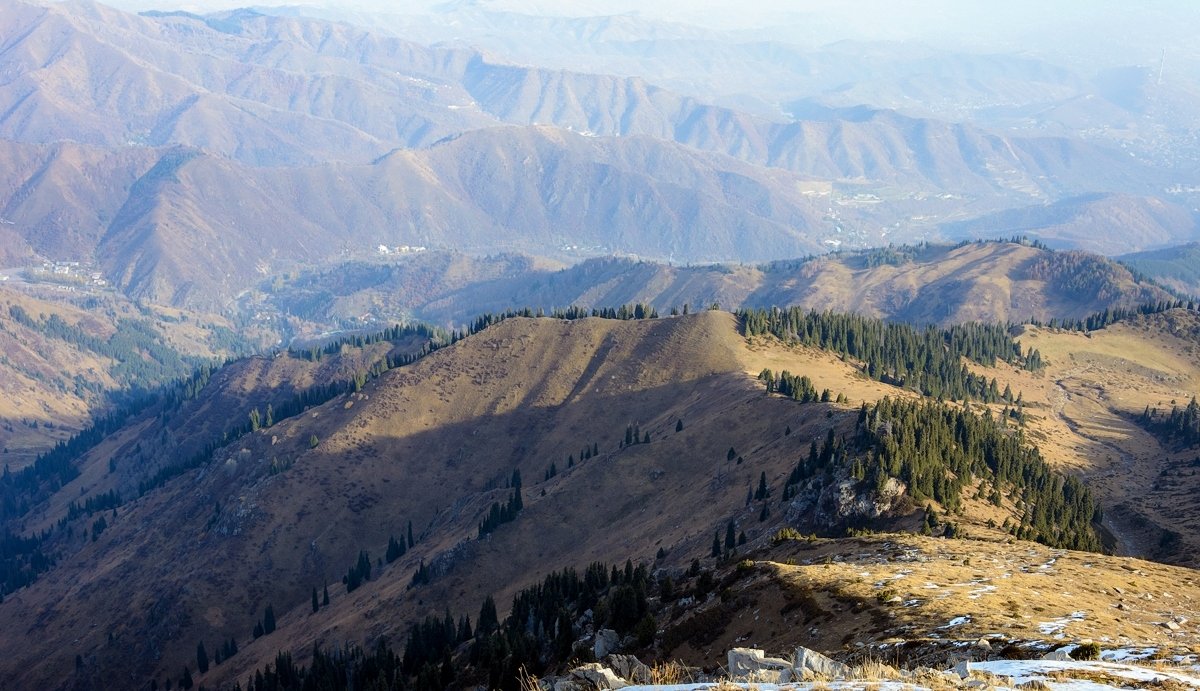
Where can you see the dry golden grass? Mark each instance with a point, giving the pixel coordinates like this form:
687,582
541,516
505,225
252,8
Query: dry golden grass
875,670
527,681
671,672
1080,410
1022,591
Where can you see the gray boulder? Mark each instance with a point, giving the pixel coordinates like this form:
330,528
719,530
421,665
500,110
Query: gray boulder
629,668
598,676
607,642
1059,655
752,664
809,664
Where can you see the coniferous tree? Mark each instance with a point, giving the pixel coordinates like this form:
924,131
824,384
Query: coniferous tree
325,597
730,536
201,658
316,605
395,549
679,425
488,619
269,620
716,545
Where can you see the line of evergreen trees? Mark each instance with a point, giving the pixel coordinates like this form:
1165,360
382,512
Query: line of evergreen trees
939,450
1112,315
501,514
140,354
359,573
441,652
1180,426
928,360
797,388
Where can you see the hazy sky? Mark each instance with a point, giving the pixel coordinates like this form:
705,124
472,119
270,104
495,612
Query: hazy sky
1086,27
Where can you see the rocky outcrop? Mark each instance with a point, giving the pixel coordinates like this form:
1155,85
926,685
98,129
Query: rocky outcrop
629,668
809,664
599,676
821,505
1059,655
751,664
619,672
607,642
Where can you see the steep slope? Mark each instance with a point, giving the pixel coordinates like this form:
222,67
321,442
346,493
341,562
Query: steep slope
436,443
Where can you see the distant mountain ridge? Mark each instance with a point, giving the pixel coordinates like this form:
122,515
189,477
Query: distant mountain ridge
1176,267
190,155
942,284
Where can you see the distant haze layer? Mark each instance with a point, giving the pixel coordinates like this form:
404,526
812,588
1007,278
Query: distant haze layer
1108,31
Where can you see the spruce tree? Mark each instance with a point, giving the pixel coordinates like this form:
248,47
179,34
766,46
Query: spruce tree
315,603
269,620
489,621
201,658
716,546
730,536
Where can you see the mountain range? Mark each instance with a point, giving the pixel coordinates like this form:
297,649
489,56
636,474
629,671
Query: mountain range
322,140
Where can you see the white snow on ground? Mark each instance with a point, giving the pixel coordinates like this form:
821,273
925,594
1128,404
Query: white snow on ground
1126,654
1019,671
957,621
1023,671
1055,628
981,591
835,685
